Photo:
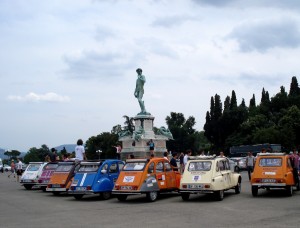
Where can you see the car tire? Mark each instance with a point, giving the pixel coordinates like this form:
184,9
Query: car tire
105,195
122,198
298,185
289,190
238,188
78,196
151,196
185,196
6,170
56,193
219,195
254,190
43,189
28,186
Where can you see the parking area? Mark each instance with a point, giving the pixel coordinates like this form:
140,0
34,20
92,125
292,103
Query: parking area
35,209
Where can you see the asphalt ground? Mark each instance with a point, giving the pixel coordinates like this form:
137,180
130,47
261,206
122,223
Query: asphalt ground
20,208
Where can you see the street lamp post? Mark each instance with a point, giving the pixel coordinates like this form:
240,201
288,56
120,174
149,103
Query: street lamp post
99,153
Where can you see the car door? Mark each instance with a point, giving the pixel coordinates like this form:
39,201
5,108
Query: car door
222,174
170,175
160,175
113,171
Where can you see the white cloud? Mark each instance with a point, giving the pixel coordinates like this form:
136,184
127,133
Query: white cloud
34,97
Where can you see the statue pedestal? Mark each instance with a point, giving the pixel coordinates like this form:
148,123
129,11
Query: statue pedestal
140,149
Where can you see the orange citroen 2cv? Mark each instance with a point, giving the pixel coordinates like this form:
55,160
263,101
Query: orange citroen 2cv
144,176
273,170
62,177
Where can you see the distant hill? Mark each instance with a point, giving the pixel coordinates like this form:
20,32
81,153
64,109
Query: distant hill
69,147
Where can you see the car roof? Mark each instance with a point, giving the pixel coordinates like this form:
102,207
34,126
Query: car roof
271,154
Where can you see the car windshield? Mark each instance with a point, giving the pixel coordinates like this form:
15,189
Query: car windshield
130,166
50,166
88,168
270,162
33,167
199,166
64,168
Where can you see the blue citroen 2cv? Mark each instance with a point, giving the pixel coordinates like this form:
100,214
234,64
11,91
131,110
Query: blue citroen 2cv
96,177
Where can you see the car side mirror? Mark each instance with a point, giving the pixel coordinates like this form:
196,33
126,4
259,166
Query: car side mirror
103,171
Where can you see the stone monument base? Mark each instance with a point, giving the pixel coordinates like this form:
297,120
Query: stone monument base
139,148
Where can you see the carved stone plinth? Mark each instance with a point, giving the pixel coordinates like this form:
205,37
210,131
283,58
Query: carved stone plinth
139,148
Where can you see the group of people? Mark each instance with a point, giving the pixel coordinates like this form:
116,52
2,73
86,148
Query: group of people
16,169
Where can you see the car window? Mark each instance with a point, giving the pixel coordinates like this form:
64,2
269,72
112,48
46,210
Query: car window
270,162
167,166
151,167
289,164
159,167
199,166
88,168
50,166
64,168
221,165
33,167
113,168
227,167
104,167
137,166
121,165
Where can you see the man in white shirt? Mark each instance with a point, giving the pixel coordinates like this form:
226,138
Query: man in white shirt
19,168
185,158
79,151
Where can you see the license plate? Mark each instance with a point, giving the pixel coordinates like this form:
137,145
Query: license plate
126,187
268,180
81,188
26,181
56,186
195,186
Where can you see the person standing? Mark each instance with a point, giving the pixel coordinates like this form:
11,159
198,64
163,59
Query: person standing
151,146
294,157
250,164
79,151
19,169
12,169
181,162
185,158
53,155
118,151
173,161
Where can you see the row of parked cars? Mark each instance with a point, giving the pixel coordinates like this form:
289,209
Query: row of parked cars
208,175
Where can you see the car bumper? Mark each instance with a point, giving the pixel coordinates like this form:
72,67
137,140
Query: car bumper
195,191
56,189
117,192
274,185
86,192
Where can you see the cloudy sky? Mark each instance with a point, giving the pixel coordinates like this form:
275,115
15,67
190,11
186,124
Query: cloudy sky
68,66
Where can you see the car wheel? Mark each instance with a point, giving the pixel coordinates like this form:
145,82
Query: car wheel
238,188
56,193
122,197
6,170
298,185
43,189
289,190
105,195
27,186
78,196
219,195
254,190
236,169
185,196
152,196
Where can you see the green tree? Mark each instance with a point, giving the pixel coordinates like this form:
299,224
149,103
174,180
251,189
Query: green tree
183,132
104,142
13,154
32,155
